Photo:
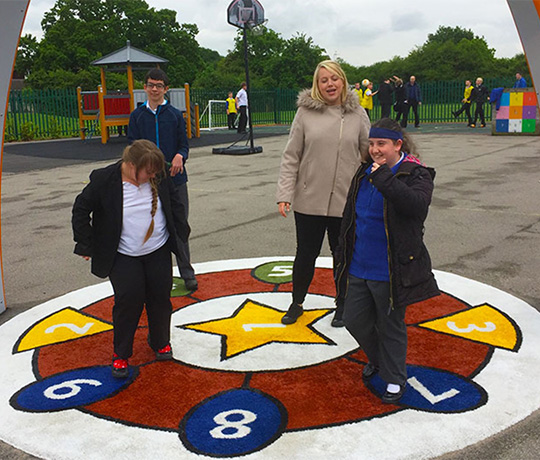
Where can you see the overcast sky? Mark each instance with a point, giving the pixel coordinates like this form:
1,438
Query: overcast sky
358,31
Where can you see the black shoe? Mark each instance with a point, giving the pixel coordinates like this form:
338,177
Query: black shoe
338,322
455,114
191,284
293,313
369,371
393,398
482,126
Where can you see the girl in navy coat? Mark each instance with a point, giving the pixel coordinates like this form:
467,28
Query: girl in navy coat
383,265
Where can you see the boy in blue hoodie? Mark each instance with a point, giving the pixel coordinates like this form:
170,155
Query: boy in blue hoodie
158,121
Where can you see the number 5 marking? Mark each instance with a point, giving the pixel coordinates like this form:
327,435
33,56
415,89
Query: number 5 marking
281,270
489,327
239,427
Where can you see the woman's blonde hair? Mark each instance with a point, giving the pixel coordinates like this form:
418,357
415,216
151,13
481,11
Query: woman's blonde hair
335,69
144,154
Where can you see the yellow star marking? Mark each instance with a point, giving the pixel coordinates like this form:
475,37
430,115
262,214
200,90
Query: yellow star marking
483,324
254,325
63,325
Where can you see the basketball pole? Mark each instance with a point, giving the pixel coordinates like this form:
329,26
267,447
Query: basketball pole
248,91
11,23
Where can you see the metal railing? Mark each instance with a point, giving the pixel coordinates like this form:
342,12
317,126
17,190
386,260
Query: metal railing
52,113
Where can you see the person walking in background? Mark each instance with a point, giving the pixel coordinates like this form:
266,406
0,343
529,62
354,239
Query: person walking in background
382,264
367,100
358,91
160,122
520,81
127,220
385,98
413,98
466,103
479,95
231,111
328,137
399,105
242,105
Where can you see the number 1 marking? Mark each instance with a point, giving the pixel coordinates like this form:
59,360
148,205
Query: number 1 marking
250,327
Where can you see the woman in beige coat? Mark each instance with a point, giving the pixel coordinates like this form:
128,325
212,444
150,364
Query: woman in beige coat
328,140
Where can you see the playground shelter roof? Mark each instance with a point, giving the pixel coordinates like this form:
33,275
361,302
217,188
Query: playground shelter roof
129,55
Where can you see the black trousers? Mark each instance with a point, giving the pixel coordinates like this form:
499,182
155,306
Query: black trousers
412,104
381,332
242,122
466,107
231,117
479,113
138,282
385,110
183,259
310,231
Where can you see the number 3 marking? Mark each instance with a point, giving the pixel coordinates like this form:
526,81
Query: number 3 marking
241,430
489,327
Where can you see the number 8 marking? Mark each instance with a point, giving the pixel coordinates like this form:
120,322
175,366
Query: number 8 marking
241,430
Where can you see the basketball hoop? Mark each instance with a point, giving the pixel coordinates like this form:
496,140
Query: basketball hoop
245,14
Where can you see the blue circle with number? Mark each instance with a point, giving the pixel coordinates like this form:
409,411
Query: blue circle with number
236,422
70,389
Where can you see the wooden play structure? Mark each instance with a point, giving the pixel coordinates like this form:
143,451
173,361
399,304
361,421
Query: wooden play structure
105,109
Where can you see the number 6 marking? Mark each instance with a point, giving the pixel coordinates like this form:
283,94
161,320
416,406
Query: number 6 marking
73,385
241,430
489,327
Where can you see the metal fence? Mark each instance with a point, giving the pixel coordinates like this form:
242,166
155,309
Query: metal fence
52,113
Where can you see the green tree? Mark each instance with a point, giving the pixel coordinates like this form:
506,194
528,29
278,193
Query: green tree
76,32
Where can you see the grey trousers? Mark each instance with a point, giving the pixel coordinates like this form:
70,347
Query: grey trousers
381,332
183,259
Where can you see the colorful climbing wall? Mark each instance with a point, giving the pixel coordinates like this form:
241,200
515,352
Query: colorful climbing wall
518,112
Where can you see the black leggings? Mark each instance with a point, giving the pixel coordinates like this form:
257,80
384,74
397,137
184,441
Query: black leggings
310,232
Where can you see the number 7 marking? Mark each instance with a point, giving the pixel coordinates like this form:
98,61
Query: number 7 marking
432,398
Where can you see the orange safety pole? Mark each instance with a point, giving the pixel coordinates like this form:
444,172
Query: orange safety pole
81,121
104,129
197,124
102,74
130,88
188,110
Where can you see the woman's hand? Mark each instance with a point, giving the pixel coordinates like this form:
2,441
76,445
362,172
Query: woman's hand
284,208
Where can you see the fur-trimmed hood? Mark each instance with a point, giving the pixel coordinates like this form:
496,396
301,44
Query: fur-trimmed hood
305,100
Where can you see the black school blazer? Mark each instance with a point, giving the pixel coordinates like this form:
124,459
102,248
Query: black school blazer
97,217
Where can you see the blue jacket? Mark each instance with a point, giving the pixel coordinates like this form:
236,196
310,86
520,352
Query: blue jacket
413,92
521,83
166,128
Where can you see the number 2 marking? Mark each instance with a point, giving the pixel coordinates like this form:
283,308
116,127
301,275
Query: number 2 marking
489,327
72,327
239,427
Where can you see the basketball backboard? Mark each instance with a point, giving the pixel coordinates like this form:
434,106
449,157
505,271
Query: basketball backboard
245,14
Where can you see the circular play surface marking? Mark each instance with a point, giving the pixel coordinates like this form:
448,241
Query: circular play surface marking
241,383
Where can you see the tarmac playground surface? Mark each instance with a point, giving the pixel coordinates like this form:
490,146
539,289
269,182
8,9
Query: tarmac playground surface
484,222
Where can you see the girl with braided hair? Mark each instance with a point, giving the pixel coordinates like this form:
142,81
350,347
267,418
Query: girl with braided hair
125,221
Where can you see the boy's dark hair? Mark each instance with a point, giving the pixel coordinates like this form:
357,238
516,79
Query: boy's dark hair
157,74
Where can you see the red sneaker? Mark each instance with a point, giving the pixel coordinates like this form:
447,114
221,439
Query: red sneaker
119,367
165,353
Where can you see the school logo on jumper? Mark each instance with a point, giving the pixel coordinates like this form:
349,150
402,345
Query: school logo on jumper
241,382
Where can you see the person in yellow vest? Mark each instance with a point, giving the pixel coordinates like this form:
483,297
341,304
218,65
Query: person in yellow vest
358,91
466,101
231,110
367,100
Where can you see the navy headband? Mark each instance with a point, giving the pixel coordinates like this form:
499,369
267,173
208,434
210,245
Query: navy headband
384,133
